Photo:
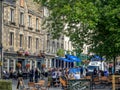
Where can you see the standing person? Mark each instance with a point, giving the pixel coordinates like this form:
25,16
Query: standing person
20,84
36,75
11,73
54,75
19,74
95,72
31,75
81,71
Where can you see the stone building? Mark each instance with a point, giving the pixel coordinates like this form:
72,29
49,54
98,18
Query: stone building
22,37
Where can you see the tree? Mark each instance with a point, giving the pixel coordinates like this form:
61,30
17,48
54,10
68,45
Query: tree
92,22
60,53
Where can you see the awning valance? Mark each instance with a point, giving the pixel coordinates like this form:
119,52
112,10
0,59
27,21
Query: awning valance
66,60
73,58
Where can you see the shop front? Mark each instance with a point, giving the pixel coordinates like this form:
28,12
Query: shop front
12,60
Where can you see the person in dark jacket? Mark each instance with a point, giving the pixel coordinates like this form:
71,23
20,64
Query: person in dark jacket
95,72
19,74
31,75
36,75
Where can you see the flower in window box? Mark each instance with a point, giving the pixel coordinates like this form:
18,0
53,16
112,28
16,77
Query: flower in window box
20,53
19,65
27,65
43,55
39,55
26,53
43,65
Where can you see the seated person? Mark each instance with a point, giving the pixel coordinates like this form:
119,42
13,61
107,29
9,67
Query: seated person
77,75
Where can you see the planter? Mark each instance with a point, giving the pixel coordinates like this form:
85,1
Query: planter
20,53
5,85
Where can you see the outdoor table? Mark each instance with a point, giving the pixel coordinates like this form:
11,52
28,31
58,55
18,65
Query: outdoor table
38,85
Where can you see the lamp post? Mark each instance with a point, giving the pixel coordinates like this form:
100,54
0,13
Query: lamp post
1,28
1,60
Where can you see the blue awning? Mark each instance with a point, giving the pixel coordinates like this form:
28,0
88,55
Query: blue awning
97,58
66,60
73,58
74,70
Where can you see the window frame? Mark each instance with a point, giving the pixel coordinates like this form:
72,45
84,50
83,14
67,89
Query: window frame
29,41
37,43
21,40
29,20
21,18
11,39
11,14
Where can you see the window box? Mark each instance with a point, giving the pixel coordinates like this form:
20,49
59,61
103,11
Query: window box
20,53
21,25
12,23
37,30
43,55
26,53
30,28
39,55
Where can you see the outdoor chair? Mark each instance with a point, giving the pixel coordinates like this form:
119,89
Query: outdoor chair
31,85
104,80
110,79
42,85
63,83
88,77
117,83
96,82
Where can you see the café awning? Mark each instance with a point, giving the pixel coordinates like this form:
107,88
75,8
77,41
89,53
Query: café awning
66,60
73,58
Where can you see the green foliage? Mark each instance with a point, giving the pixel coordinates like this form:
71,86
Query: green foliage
60,53
92,22
5,85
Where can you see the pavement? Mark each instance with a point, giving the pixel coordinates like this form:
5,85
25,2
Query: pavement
14,85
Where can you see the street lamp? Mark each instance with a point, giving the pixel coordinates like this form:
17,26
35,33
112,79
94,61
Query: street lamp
1,59
1,28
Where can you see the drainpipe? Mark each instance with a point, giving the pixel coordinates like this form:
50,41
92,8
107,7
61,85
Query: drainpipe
1,25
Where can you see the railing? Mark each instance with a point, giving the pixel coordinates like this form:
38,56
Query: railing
81,84
116,82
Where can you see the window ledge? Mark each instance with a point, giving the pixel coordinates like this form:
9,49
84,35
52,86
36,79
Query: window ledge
21,25
12,23
30,28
